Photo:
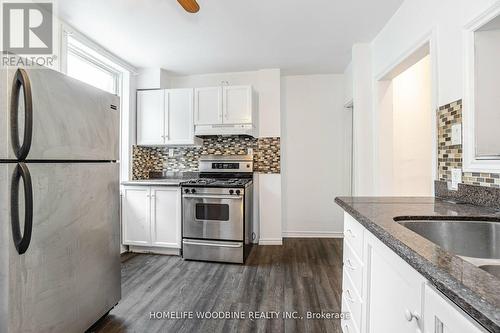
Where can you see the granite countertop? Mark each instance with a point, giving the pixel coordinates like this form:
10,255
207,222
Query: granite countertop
472,289
164,178
154,182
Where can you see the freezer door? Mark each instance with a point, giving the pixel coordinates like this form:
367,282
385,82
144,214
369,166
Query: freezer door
47,115
69,275
4,116
4,246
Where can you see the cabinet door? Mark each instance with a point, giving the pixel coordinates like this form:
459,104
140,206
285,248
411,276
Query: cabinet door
237,105
395,291
208,106
180,126
136,215
166,216
441,316
151,117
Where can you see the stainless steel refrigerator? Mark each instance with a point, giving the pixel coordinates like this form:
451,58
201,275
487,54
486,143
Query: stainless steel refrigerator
59,202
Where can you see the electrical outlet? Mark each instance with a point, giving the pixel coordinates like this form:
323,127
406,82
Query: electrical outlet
171,153
250,151
456,178
456,134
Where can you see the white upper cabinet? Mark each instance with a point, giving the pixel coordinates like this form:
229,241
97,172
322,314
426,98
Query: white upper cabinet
165,117
223,110
237,104
180,126
151,117
208,106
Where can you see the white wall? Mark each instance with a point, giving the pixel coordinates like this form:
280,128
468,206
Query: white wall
153,78
269,115
313,160
270,212
348,83
412,24
416,19
405,141
412,131
363,120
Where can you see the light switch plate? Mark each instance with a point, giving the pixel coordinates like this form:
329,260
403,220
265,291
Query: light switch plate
456,178
456,134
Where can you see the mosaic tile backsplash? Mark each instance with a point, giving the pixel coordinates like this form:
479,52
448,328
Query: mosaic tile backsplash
450,156
267,155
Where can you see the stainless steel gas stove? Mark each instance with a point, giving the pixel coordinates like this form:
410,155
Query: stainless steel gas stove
217,210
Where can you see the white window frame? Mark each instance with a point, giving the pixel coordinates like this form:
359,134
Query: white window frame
470,161
124,85
84,55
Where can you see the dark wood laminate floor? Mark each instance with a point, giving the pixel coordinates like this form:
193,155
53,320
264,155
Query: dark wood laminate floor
302,275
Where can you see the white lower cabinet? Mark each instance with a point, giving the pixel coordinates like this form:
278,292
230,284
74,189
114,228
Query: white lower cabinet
136,209
394,291
166,217
384,294
442,316
151,216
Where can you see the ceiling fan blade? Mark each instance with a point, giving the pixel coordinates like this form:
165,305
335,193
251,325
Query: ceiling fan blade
190,6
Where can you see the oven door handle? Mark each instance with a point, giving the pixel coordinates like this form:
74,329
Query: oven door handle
213,244
209,196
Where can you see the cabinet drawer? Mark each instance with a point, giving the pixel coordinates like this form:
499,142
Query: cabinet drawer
354,233
213,251
353,267
347,324
352,298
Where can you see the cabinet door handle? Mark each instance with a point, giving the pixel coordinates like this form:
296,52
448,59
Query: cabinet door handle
412,315
438,325
22,242
349,296
21,80
349,264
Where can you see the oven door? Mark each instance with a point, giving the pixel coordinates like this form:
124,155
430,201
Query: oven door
213,216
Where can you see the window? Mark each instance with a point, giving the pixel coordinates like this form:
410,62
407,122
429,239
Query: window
82,64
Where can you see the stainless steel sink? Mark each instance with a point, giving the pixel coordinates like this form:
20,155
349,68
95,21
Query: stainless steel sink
475,241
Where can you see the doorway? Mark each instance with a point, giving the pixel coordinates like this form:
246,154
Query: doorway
406,122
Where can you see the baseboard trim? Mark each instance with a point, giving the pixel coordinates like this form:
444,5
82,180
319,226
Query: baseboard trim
271,241
313,234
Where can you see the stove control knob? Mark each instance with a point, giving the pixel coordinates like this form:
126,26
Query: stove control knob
231,191
186,190
238,192
193,190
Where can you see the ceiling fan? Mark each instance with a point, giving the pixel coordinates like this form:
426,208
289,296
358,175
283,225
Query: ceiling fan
191,6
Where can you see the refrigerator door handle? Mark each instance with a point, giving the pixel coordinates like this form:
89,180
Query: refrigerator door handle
21,80
21,242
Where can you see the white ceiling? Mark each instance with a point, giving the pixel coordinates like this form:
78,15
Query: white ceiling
298,36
